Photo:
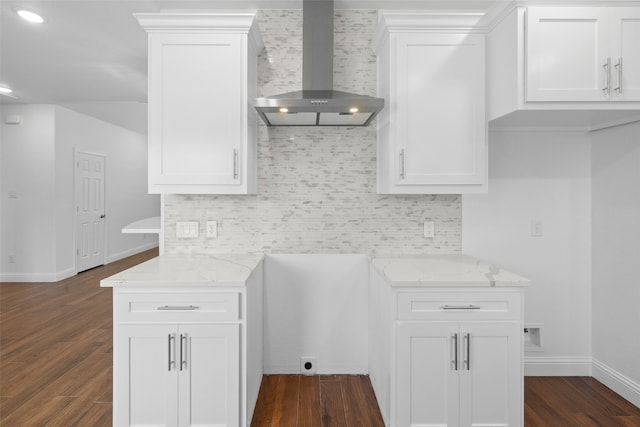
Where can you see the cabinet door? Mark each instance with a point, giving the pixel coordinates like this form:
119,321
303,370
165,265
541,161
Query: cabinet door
567,51
196,106
145,378
209,366
439,110
427,385
491,377
625,53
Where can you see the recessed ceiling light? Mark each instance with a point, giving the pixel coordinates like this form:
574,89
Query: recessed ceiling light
27,15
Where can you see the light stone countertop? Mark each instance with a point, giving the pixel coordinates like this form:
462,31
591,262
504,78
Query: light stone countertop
444,270
188,271
452,270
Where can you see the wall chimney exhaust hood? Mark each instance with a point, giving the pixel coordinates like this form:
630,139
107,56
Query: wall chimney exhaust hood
317,104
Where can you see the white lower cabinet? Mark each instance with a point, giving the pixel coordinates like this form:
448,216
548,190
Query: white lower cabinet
178,375
459,374
446,356
186,357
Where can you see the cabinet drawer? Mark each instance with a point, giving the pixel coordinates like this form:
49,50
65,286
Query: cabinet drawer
462,306
178,307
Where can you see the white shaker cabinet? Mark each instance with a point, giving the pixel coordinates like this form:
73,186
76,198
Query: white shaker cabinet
179,375
459,374
446,342
187,341
558,66
432,135
583,54
202,81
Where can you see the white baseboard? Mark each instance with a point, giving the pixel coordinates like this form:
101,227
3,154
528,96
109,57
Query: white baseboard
553,366
617,382
64,274
129,252
29,277
286,370
38,277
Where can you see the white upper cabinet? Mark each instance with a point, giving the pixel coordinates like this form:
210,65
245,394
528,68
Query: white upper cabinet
567,52
202,83
583,54
625,53
575,65
432,134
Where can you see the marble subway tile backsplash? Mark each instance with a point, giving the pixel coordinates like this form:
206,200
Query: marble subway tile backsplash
316,186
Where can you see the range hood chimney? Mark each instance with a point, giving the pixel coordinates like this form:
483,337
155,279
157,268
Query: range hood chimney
317,104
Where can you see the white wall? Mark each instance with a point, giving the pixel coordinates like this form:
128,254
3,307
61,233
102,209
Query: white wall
616,248
542,176
27,230
37,163
316,305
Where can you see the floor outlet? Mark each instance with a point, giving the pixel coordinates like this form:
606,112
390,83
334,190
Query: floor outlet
308,365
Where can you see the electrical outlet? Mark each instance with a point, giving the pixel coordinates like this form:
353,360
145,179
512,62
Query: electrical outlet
429,229
212,229
307,365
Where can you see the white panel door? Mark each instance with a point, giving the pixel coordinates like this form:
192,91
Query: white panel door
625,53
491,375
146,376
209,364
90,210
567,54
427,386
440,109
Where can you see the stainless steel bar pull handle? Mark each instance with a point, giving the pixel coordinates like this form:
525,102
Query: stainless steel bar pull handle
183,351
235,164
607,76
467,351
170,358
177,307
454,350
619,68
402,164
460,307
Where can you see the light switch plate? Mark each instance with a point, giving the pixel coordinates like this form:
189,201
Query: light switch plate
536,228
187,229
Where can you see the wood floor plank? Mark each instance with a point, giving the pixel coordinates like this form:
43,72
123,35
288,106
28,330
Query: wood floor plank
263,412
309,406
332,403
285,407
360,402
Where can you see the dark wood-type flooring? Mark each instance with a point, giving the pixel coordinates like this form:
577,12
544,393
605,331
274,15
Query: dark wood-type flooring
56,357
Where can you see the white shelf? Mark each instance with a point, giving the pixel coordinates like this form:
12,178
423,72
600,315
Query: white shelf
143,226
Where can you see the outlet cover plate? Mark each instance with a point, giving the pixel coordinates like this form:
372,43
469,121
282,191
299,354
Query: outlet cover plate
212,229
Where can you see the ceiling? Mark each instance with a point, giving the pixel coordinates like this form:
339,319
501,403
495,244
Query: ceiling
91,55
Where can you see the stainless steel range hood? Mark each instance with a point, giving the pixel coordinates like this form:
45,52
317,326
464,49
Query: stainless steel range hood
317,104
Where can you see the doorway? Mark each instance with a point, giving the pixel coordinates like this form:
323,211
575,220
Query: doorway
90,210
